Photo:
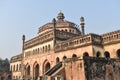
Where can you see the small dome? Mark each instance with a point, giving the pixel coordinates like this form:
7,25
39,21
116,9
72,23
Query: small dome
60,16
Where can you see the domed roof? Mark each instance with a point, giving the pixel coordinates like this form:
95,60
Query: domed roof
60,16
60,24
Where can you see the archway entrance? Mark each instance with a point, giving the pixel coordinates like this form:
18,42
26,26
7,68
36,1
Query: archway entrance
28,72
47,67
36,71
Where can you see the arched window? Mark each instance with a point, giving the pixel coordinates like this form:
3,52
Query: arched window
14,68
62,30
118,53
36,71
38,50
107,54
48,47
98,54
47,67
57,60
17,67
70,30
66,30
74,56
64,57
43,49
73,31
85,54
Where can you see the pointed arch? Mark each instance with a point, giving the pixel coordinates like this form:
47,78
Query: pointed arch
46,66
98,54
64,57
107,54
57,60
36,70
28,70
17,67
85,54
14,68
74,56
118,53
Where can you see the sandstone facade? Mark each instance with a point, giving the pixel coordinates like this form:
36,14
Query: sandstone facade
56,44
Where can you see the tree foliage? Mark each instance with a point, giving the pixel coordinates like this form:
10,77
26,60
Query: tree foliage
4,65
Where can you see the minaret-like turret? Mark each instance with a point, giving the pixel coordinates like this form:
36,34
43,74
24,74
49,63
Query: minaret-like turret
22,64
54,29
82,25
23,39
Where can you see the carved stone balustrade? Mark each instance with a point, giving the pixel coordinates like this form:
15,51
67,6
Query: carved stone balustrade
111,37
79,42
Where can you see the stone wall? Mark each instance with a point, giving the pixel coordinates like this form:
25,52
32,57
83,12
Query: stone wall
102,68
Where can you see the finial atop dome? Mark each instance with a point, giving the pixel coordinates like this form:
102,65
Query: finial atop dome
82,19
60,16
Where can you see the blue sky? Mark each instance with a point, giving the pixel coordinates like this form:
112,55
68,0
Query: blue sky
18,17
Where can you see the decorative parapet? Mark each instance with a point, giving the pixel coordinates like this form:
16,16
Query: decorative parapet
65,35
39,39
46,26
16,58
111,37
79,42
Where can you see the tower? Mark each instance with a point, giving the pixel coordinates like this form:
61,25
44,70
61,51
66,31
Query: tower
82,25
54,29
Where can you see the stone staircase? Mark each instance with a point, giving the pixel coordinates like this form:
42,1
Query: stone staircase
52,70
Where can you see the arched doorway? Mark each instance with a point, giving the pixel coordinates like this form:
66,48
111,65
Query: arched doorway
107,54
47,66
28,71
118,53
36,71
